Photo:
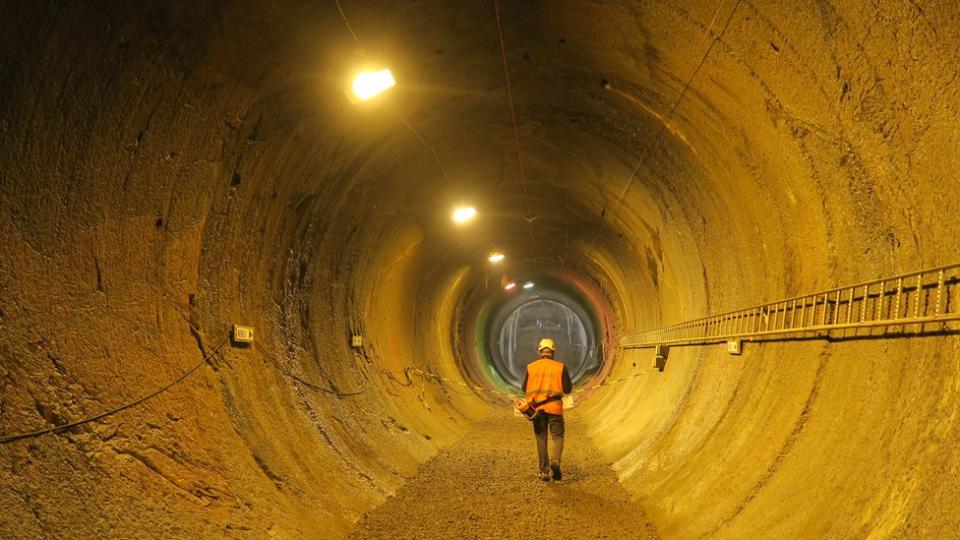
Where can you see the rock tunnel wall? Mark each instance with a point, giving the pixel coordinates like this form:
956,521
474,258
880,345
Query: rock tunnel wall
168,171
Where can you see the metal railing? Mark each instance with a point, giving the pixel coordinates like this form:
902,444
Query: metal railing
916,302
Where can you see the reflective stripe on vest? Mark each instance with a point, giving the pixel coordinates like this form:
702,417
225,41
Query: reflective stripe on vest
545,379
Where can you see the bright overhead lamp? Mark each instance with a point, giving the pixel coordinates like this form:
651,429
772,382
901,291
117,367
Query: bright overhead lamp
495,257
509,286
463,214
368,84
528,285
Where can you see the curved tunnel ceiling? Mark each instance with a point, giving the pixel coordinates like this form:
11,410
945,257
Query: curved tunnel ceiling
168,171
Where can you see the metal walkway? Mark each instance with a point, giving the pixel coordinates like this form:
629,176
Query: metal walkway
914,303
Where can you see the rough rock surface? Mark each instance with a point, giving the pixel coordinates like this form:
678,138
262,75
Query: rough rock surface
168,169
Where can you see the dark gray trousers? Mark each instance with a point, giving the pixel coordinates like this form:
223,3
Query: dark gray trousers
552,423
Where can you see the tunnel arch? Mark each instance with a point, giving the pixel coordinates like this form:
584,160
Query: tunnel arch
172,170
520,317
529,322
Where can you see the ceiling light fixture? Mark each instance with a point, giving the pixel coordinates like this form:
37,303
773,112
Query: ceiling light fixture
509,286
463,214
496,257
369,84
528,285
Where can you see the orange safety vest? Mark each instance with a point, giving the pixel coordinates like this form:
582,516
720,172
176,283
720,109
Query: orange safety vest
545,379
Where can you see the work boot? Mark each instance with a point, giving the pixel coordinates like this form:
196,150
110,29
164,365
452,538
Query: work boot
545,475
555,469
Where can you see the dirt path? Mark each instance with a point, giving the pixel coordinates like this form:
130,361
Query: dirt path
485,486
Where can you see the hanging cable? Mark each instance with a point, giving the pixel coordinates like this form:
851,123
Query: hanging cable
423,141
64,427
294,376
513,118
409,126
433,150
168,296
673,109
345,22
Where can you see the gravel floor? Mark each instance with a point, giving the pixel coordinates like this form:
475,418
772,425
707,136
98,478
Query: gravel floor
485,486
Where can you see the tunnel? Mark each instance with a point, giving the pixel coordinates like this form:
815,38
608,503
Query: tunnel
173,171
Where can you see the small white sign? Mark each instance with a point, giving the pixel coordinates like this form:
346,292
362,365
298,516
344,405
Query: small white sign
242,334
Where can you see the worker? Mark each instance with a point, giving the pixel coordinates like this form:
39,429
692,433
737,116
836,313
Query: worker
545,383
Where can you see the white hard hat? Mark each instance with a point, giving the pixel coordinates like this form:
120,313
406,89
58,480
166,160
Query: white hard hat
547,343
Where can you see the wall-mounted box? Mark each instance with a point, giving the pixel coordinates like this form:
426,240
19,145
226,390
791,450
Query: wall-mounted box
242,334
356,341
659,358
734,346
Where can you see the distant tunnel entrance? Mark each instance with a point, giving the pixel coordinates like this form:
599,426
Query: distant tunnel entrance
524,320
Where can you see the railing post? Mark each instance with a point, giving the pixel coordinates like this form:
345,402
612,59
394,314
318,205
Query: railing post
883,292
936,310
916,303
850,306
896,307
863,306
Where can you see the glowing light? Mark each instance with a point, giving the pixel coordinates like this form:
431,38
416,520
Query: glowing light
495,257
464,214
528,285
509,286
369,84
